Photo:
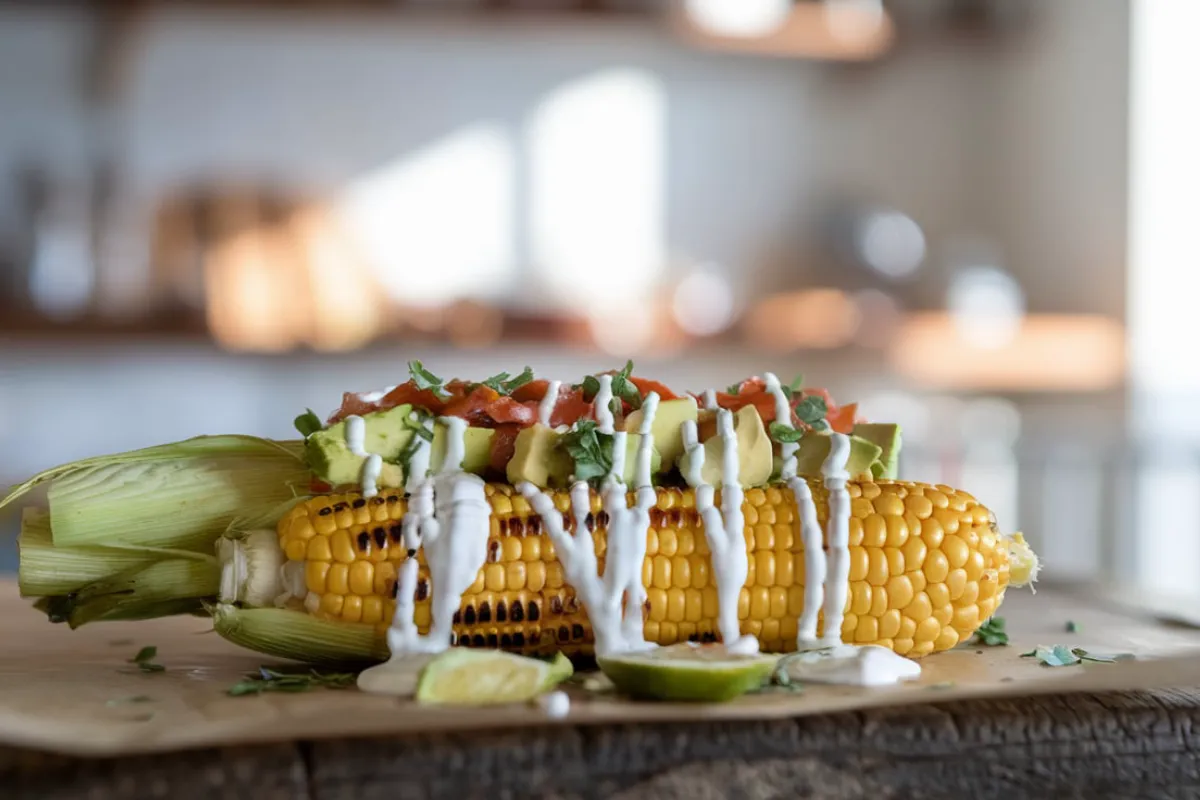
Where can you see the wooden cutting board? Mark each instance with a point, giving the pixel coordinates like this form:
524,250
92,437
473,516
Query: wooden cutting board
76,692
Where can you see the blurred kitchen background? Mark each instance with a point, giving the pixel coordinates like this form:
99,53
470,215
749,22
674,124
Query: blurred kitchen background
975,217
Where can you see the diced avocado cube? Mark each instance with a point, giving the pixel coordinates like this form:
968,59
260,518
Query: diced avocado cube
477,449
666,427
538,459
815,447
887,437
386,433
633,441
755,456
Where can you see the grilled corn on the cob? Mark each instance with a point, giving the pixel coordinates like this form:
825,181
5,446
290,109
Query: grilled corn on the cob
927,567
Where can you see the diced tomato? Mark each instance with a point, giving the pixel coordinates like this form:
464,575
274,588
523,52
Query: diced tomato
506,410
504,445
352,404
570,409
533,391
842,419
646,386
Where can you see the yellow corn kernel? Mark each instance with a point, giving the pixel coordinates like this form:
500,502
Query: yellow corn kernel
362,577
925,564
314,576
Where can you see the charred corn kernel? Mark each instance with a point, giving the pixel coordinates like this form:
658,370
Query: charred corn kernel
926,566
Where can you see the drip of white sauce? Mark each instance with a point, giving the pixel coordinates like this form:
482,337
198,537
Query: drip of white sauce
375,397
619,446
549,401
604,416
814,564
710,398
614,601
783,414
853,665
556,705
725,532
829,660
645,453
356,436
691,466
837,534
449,517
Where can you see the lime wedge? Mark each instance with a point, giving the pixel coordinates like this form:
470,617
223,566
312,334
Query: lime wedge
687,672
488,677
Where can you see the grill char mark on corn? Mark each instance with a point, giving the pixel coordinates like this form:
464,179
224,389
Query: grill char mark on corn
927,567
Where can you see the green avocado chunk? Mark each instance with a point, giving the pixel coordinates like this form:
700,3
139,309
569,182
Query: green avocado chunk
887,437
477,449
386,433
538,459
814,449
667,426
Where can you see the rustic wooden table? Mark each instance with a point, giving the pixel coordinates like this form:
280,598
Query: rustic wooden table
1134,744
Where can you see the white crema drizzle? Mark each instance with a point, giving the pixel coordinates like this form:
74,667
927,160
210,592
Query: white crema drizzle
724,529
356,436
614,601
449,518
549,401
827,579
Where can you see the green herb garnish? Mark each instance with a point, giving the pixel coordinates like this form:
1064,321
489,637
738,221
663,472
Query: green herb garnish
282,680
1060,655
811,411
120,701
416,422
145,660
1072,626
992,633
622,388
424,379
504,383
591,450
733,389
785,433
307,423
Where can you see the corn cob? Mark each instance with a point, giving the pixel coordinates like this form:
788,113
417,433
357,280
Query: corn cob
927,567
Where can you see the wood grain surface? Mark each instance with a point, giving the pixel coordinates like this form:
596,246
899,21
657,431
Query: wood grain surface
1123,745
1072,740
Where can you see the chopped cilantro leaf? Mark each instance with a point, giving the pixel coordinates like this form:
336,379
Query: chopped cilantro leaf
590,449
1072,626
145,660
992,633
307,423
785,433
424,379
812,410
280,680
733,388
1060,655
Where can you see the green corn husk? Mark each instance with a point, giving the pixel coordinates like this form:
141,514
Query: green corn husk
178,585
297,635
132,535
174,496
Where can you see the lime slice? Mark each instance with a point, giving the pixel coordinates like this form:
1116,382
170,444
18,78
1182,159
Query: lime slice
488,677
687,672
